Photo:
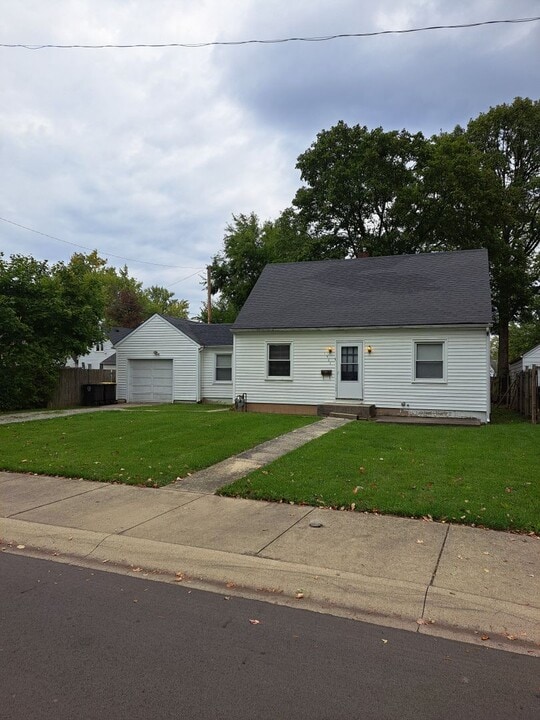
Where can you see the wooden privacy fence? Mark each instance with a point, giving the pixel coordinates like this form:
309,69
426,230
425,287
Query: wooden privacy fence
68,391
522,394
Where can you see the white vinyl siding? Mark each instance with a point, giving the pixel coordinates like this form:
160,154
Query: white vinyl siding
388,371
212,389
156,335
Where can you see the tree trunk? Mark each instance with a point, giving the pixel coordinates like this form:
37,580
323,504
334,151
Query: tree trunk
502,360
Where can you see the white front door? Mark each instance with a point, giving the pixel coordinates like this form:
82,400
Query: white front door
349,371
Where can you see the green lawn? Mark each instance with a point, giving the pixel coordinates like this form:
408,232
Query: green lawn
486,476
152,445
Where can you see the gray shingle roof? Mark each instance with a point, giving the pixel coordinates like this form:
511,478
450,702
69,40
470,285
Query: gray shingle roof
449,288
118,333
202,333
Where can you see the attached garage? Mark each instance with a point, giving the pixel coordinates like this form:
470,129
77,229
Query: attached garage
150,381
168,359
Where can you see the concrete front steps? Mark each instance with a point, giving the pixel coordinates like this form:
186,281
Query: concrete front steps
352,411
348,411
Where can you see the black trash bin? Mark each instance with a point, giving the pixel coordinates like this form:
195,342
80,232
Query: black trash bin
98,394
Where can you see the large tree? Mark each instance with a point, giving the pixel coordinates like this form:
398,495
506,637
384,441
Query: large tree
235,270
355,184
508,136
46,315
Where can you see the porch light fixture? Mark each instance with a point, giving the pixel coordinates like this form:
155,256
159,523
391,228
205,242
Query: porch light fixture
329,349
156,352
369,349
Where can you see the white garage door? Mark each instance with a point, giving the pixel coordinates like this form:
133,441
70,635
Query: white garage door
150,380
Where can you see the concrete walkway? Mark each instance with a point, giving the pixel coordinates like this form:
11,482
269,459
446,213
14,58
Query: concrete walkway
18,417
214,477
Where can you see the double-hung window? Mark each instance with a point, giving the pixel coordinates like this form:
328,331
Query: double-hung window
279,360
223,367
429,361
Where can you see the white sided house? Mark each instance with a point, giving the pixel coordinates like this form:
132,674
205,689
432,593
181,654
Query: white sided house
101,354
399,335
526,361
168,359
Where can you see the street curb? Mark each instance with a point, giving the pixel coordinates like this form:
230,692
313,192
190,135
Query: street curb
410,606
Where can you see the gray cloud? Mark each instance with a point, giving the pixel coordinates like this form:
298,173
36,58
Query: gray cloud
147,153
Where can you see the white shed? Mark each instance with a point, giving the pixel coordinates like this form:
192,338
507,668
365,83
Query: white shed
168,359
408,334
527,360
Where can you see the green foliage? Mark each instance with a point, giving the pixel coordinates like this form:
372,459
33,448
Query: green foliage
508,137
46,315
160,300
355,184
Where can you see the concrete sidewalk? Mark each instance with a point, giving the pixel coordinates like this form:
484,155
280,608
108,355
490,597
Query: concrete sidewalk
475,585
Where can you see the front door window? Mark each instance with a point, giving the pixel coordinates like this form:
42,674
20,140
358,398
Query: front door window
349,363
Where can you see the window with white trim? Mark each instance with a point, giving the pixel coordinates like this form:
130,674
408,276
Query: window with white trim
223,367
429,361
279,360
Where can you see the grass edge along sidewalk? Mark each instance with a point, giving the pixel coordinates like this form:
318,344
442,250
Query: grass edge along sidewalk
485,476
150,446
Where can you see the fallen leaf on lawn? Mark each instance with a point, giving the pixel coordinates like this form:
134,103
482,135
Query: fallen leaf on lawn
508,489
255,622
362,469
353,505
356,489
484,637
21,547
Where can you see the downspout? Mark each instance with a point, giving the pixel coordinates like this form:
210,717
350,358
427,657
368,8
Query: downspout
488,389
199,374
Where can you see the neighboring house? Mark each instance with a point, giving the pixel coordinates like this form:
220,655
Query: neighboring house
168,359
102,353
527,360
407,333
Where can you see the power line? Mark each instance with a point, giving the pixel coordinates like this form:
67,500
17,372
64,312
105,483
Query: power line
101,252
276,41
185,278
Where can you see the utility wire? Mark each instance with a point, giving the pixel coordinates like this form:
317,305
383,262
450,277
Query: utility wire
185,278
101,252
322,38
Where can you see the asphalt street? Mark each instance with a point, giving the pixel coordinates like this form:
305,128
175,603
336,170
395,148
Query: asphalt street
76,642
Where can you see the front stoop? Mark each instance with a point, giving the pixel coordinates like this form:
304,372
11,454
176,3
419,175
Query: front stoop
348,411
427,420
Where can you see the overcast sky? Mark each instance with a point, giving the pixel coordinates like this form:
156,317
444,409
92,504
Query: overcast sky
147,153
